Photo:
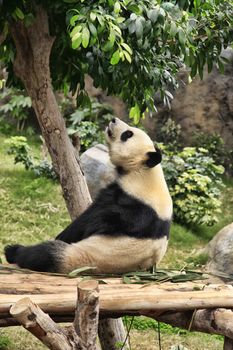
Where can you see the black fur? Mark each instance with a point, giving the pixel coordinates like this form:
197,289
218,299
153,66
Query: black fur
41,257
126,135
154,158
116,213
121,171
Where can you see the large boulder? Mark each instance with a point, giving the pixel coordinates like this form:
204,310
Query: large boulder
220,251
97,168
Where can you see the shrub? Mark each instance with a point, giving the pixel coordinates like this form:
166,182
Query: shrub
195,184
89,123
216,147
170,134
15,104
19,147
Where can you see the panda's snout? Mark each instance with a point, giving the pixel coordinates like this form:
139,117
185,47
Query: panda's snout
110,127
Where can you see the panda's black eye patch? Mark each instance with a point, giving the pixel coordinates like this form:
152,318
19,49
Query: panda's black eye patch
126,135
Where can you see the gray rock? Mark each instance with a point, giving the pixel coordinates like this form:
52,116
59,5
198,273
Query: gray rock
97,168
220,251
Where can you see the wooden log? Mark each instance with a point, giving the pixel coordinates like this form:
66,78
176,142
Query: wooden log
123,300
109,329
42,326
213,321
87,313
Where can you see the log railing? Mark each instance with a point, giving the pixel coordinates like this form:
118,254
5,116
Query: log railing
199,306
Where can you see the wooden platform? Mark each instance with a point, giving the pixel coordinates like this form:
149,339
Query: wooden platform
57,295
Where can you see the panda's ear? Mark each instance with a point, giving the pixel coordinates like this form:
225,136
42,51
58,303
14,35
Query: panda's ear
154,158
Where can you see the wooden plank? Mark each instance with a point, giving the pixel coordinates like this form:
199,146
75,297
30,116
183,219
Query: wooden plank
113,299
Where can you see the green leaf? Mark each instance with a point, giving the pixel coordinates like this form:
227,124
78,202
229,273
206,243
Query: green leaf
135,113
19,13
112,37
139,28
120,19
80,270
77,41
127,56
153,14
85,37
221,66
208,32
92,16
75,32
108,46
132,27
133,16
181,36
115,57
117,7
28,19
126,46
92,29
73,20
173,29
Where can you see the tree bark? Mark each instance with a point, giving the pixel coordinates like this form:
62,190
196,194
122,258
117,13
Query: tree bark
82,335
32,318
31,66
110,333
228,344
87,313
213,321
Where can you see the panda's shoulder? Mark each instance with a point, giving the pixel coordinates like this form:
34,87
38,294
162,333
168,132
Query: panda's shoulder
113,194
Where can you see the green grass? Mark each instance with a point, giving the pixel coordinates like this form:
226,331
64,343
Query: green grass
32,209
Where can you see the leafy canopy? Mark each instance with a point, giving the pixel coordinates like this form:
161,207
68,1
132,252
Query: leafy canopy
132,48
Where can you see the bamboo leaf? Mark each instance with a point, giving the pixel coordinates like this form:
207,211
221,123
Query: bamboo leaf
80,270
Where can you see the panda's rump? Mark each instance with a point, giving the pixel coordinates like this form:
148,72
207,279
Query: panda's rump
114,254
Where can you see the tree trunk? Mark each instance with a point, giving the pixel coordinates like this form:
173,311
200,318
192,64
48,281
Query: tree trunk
33,45
110,331
31,66
87,313
228,344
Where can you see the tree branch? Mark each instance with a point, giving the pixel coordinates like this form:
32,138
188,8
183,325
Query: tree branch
32,318
87,313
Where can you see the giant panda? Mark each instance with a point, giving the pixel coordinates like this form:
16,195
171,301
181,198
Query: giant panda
126,228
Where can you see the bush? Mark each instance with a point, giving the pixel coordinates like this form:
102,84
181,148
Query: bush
195,184
170,134
89,123
15,104
217,149
19,147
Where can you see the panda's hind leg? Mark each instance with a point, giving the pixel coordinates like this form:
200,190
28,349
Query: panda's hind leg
46,256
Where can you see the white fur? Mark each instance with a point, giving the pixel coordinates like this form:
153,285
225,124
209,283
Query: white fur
114,254
146,184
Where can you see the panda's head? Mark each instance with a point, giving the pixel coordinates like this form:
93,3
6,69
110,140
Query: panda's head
130,148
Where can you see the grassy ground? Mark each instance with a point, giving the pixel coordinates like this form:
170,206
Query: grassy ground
32,209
